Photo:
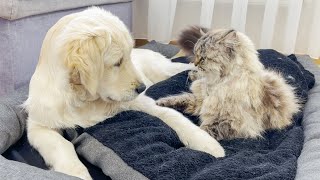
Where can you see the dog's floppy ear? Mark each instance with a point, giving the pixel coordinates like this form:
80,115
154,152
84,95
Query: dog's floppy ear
84,58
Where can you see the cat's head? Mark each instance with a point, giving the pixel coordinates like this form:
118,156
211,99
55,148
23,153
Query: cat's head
223,50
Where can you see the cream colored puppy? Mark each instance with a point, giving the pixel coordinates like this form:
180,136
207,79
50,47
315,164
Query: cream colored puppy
88,72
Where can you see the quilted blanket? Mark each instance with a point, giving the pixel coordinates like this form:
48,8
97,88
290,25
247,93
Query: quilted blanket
135,145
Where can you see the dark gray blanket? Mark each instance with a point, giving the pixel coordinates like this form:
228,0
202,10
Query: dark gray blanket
149,148
134,145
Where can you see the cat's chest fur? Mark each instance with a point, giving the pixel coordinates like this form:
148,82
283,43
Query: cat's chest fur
226,96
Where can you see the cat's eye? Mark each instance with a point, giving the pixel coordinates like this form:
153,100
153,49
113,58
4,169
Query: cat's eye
118,64
198,61
201,60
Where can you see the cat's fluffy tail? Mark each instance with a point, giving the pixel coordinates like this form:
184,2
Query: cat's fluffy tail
189,37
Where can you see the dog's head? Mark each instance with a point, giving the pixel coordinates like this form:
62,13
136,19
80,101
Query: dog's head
222,50
96,48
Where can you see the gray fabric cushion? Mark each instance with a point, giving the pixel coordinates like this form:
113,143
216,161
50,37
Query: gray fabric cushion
12,118
105,158
167,50
16,9
12,125
309,160
12,170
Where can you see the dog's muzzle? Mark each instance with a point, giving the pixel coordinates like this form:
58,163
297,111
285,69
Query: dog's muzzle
141,88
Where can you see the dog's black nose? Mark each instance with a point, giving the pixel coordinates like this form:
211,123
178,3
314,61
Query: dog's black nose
140,88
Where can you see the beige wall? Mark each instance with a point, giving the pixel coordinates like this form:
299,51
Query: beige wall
188,13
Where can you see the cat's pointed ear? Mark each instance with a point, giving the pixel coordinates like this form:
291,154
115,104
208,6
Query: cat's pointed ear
202,31
231,39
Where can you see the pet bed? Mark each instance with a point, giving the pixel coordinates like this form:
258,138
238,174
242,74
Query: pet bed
134,145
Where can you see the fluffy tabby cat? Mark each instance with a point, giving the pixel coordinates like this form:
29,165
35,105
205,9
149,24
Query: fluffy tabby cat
232,92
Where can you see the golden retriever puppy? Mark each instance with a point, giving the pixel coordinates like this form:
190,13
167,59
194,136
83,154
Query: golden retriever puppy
88,72
234,95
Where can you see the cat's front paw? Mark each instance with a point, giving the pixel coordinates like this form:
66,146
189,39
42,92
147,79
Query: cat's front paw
165,102
193,75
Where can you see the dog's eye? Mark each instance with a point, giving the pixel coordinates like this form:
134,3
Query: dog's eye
118,64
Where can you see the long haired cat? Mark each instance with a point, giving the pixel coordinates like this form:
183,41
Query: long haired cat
234,95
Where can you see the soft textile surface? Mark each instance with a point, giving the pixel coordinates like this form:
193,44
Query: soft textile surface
167,50
309,160
16,9
12,170
12,127
12,119
151,148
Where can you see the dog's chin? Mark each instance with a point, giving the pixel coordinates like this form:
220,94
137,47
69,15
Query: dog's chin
120,99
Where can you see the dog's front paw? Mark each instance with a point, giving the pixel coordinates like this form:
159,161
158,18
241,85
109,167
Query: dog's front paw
202,141
76,169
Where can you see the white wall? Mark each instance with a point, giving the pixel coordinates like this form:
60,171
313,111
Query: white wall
188,13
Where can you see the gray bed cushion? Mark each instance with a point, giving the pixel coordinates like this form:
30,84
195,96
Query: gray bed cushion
12,126
309,160
12,170
12,118
167,50
16,9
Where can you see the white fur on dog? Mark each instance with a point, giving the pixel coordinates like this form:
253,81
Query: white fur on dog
88,72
